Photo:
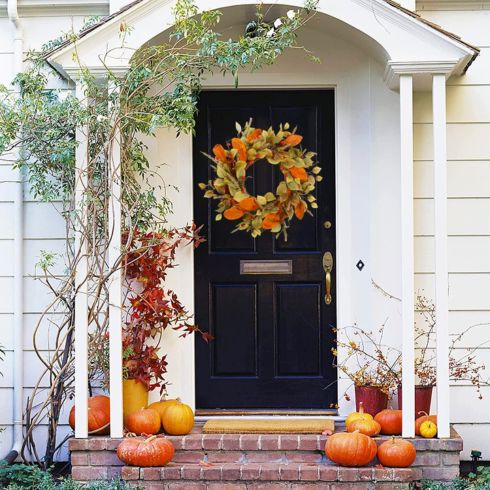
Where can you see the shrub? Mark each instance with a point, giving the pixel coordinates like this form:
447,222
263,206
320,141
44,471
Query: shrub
31,477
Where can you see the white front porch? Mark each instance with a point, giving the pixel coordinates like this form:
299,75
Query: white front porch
374,67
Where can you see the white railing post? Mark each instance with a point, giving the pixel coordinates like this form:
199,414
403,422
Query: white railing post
81,282
407,254
441,260
115,285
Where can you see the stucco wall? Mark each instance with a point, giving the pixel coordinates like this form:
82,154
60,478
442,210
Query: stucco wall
367,119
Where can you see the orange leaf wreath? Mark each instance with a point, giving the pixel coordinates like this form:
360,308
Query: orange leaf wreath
272,211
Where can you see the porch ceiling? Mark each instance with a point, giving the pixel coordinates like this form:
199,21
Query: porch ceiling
409,43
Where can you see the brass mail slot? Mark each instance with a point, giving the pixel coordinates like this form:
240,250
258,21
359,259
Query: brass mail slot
266,267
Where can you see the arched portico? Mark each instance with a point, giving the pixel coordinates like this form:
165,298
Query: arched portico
413,55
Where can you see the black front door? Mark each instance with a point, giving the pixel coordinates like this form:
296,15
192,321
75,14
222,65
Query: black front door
272,332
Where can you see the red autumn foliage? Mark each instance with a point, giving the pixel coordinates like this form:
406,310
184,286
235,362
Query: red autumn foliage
152,308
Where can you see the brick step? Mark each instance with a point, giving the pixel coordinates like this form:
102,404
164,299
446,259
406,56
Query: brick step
248,448
268,476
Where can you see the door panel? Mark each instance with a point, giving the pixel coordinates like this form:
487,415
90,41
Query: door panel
273,332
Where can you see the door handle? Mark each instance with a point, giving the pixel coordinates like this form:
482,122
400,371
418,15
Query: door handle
328,267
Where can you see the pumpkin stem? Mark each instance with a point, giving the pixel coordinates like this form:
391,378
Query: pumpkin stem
361,408
424,413
151,438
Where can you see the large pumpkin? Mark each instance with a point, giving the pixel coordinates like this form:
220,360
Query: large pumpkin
178,419
390,421
162,405
397,453
144,421
350,449
358,415
368,427
153,451
422,419
99,415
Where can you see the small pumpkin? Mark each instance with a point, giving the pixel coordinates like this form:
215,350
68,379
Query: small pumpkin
350,449
99,415
162,405
152,451
423,418
428,429
144,421
178,419
358,415
390,421
366,426
397,453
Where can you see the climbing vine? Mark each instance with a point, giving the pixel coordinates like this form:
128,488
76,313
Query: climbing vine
38,136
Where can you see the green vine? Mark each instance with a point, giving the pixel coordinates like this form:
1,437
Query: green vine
38,127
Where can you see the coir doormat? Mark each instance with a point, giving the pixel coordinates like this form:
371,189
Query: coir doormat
268,426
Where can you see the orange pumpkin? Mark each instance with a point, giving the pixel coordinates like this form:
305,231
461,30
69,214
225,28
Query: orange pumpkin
178,419
299,173
248,204
365,426
162,405
397,453
350,449
99,415
422,419
233,213
153,451
358,415
390,421
144,421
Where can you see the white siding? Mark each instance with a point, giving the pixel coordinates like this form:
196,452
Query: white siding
468,116
44,229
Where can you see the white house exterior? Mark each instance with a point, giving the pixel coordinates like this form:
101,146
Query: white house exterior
374,140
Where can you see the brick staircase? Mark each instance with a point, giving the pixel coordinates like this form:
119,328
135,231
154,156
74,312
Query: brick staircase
260,462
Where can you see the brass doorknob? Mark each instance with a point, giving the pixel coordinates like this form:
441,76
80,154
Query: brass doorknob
328,267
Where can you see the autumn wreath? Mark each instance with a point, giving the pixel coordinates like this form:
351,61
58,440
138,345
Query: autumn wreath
274,210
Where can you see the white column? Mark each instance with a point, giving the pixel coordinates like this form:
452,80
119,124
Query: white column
115,285
441,262
81,286
407,253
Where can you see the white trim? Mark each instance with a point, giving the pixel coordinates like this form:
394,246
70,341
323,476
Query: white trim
407,254
81,286
441,261
408,38
43,8
115,285
394,69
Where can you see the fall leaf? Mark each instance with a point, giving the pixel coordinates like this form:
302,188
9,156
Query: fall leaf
271,221
219,153
292,140
239,145
249,204
300,209
299,173
256,133
233,213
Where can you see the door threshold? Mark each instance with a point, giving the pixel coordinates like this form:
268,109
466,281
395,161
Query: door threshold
265,413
